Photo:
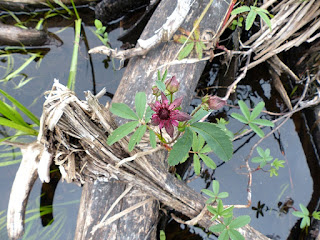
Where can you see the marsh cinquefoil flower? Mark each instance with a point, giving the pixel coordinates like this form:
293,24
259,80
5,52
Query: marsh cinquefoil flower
165,114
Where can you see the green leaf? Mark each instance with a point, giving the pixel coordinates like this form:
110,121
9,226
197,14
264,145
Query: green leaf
217,228
263,122
161,86
29,114
140,103
180,148
304,209
215,186
121,132
123,110
27,130
245,110
239,117
136,137
152,138
195,145
250,19
212,210
240,222
198,115
223,195
98,23
186,51
266,19
181,39
208,192
240,10
199,50
256,129
162,235
216,138
12,114
164,76
305,222
208,161
206,149
257,110
196,164
261,151
235,235
298,214
149,113
224,235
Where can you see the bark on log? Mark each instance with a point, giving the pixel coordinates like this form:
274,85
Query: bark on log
15,36
139,76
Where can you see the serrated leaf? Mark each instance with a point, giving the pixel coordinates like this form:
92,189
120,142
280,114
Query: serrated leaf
250,19
235,235
217,228
240,10
180,148
121,132
263,122
240,222
161,86
208,161
217,139
239,117
266,19
256,129
186,51
257,110
152,137
140,103
199,50
196,164
208,192
124,111
136,137
195,145
244,109
215,186
206,149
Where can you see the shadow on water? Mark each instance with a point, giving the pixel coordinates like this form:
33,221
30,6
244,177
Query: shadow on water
272,198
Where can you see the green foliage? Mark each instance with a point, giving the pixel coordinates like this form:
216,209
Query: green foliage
275,165
122,131
136,137
250,119
215,194
220,211
218,141
13,119
162,235
191,42
140,104
304,214
228,228
124,111
101,33
253,12
181,148
236,23
264,157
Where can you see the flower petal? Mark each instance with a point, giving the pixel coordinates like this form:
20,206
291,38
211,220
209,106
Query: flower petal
175,123
180,116
169,128
155,121
176,103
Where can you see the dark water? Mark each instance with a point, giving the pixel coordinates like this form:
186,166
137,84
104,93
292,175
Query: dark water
294,181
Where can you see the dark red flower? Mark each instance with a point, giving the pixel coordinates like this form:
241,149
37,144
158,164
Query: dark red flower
166,116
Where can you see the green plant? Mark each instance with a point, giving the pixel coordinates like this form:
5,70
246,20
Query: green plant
101,33
251,119
253,12
305,215
215,194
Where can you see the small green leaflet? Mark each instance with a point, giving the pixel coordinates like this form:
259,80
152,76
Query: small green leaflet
162,235
124,111
181,148
161,85
196,164
216,138
208,161
140,103
136,137
121,132
186,51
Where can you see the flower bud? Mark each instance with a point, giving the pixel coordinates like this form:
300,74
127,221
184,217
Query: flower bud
172,85
215,103
205,99
156,91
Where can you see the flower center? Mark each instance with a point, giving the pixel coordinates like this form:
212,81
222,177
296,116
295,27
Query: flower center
164,114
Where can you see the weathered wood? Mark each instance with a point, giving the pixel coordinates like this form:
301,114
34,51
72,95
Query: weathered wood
140,76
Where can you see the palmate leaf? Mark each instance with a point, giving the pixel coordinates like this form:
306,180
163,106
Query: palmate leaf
186,51
181,148
121,132
124,111
216,138
240,10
